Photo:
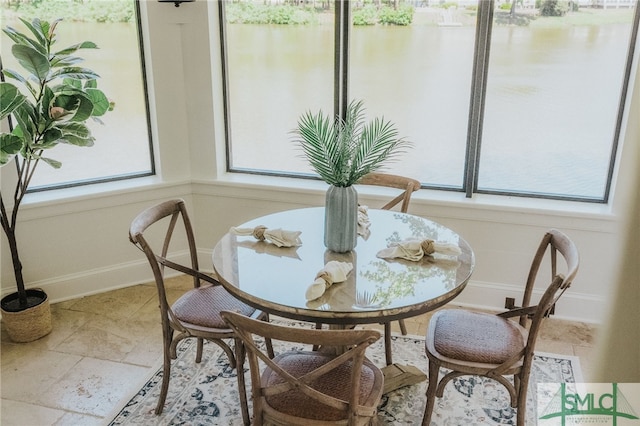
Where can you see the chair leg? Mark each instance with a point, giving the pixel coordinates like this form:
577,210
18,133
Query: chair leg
521,411
374,421
387,343
242,387
270,348
199,350
166,374
403,327
268,341
434,370
318,327
522,385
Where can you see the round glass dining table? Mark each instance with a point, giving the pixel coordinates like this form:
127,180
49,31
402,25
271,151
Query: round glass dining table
275,279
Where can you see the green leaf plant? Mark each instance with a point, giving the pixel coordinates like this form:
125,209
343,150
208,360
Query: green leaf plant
340,150
51,101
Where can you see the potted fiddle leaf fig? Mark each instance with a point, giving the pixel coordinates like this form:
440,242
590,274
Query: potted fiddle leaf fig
341,151
50,99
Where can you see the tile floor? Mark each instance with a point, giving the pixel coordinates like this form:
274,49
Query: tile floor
103,347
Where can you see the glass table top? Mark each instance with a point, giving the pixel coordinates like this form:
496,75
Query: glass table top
276,279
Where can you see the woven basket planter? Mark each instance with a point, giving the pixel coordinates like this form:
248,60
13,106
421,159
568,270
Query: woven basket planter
29,324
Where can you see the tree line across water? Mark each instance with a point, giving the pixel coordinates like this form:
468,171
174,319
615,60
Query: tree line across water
72,10
290,12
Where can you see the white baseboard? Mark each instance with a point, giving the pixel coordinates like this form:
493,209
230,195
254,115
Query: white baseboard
95,281
101,280
572,306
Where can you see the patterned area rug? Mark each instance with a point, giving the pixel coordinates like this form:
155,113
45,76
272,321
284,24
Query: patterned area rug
206,394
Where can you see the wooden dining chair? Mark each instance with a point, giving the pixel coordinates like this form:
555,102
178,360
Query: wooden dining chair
408,187
495,346
406,184
197,312
310,388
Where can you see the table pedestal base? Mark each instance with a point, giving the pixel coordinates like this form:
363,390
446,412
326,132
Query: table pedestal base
397,376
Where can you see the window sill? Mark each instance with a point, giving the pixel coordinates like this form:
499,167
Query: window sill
88,191
442,204
63,201
431,197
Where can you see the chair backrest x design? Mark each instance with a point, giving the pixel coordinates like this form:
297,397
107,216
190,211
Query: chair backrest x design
300,387
156,250
196,313
407,185
496,346
553,242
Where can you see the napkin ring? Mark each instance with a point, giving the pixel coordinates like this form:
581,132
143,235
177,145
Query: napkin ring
326,277
258,232
428,247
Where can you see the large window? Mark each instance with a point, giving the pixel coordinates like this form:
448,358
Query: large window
122,146
496,98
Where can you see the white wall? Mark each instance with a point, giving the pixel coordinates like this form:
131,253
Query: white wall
74,242
619,351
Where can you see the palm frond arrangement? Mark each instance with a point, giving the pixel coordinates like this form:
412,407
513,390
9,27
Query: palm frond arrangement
342,151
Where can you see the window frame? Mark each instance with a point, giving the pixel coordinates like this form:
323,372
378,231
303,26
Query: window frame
145,88
484,26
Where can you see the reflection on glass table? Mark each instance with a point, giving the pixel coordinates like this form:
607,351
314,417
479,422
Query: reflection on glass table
275,279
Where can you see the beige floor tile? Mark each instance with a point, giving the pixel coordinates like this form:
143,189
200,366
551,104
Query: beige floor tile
65,323
554,347
14,413
97,339
122,303
108,338
588,358
94,387
75,419
27,372
150,311
181,282
148,343
146,352
575,333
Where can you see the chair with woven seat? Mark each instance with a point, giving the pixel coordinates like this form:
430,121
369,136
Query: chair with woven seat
300,387
408,187
497,346
197,312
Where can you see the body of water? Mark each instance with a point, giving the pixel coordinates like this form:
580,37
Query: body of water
552,98
551,105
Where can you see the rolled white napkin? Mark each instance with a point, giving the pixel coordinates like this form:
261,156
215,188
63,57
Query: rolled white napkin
415,249
363,221
279,237
333,272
